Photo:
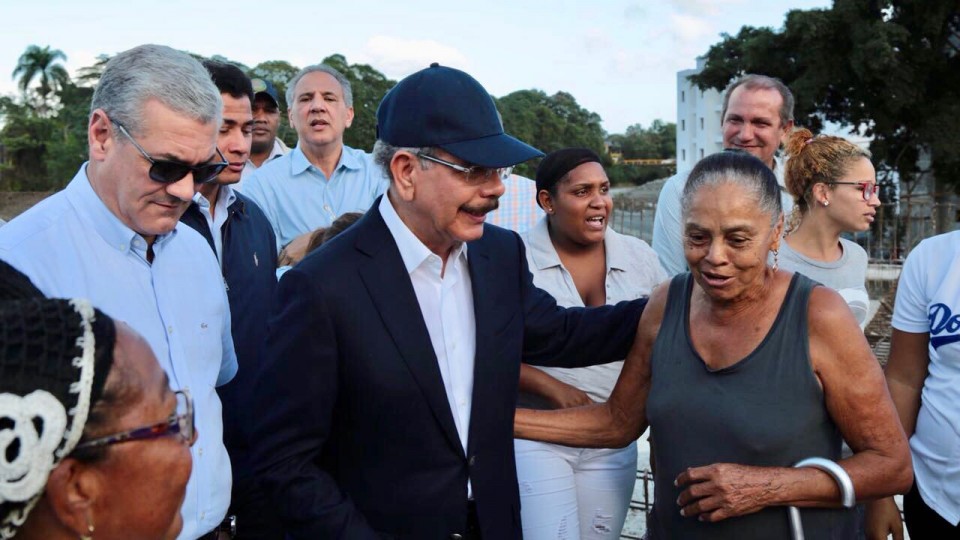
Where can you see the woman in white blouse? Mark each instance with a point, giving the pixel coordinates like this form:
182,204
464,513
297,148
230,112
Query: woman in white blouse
574,492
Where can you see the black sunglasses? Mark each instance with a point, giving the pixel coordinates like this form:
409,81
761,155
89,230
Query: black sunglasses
168,172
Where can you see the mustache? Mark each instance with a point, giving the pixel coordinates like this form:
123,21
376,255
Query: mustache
484,209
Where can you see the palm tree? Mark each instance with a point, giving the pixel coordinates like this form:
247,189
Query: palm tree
43,64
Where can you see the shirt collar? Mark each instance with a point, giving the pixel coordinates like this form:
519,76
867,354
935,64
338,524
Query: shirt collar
300,163
545,256
225,197
412,250
108,226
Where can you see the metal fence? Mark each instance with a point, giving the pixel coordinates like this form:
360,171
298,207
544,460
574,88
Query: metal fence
890,239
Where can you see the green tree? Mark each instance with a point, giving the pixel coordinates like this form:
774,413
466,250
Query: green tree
90,75
550,123
41,64
369,86
897,78
278,72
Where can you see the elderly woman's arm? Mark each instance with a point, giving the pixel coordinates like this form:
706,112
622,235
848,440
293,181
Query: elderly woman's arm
622,418
857,400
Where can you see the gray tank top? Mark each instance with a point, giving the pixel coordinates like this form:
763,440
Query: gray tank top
765,410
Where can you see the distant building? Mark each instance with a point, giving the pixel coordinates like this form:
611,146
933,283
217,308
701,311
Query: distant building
698,119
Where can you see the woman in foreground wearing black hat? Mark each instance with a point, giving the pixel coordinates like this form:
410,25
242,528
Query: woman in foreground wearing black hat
577,258
74,386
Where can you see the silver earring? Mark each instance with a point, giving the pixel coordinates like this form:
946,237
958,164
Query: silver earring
89,535
776,259
826,204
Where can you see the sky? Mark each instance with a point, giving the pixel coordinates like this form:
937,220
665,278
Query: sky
618,58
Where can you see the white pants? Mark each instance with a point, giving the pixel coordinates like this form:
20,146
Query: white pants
574,493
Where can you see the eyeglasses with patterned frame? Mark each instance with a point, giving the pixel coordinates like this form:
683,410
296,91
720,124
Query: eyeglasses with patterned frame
168,172
474,174
180,423
868,188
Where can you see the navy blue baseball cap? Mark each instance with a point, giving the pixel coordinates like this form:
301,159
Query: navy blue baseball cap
263,86
446,108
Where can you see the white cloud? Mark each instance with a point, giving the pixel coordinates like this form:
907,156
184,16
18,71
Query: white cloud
690,29
397,58
703,7
596,40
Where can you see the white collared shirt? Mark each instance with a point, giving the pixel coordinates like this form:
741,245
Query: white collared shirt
225,197
446,303
632,271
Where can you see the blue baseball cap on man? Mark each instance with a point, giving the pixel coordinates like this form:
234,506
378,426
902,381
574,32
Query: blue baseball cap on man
445,108
265,87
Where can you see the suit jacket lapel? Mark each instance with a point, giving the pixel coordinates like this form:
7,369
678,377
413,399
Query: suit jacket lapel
485,379
392,293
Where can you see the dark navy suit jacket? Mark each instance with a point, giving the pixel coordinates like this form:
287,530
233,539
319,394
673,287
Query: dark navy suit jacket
355,438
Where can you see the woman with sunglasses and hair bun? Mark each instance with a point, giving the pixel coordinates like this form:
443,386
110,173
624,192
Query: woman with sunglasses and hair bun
93,444
834,187
573,254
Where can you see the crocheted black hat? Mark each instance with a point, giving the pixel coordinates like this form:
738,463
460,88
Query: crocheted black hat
14,285
54,359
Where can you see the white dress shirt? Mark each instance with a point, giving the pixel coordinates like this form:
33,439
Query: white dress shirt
215,222
446,302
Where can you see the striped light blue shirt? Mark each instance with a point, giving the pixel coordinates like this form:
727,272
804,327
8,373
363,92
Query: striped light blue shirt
297,197
71,245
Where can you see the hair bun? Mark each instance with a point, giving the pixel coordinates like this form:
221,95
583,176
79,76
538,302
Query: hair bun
798,140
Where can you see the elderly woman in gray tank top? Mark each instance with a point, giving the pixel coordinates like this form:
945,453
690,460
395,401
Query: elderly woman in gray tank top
742,370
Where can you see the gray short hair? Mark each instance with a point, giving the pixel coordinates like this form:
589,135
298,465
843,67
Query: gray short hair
739,168
752,81
344,82
383,153
147,72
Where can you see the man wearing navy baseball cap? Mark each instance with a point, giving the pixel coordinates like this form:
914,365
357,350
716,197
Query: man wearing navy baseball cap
397,345
266,146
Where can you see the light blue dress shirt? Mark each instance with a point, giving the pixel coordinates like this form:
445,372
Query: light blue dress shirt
297,197
71,245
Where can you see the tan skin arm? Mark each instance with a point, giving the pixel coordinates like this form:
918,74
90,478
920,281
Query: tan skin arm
560,394
622,418
856,398
906,370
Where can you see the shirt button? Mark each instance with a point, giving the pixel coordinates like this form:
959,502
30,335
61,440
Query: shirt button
203,325
200,452
170,329
202,515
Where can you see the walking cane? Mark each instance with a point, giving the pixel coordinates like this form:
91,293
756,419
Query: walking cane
847,497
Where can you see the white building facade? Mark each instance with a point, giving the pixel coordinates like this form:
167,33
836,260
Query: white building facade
698,120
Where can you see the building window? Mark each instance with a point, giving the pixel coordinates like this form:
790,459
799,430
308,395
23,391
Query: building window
701,122
701,153
683,96
684,155
683,125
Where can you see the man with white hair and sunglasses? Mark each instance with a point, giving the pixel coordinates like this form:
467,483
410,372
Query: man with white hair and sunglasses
112,235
